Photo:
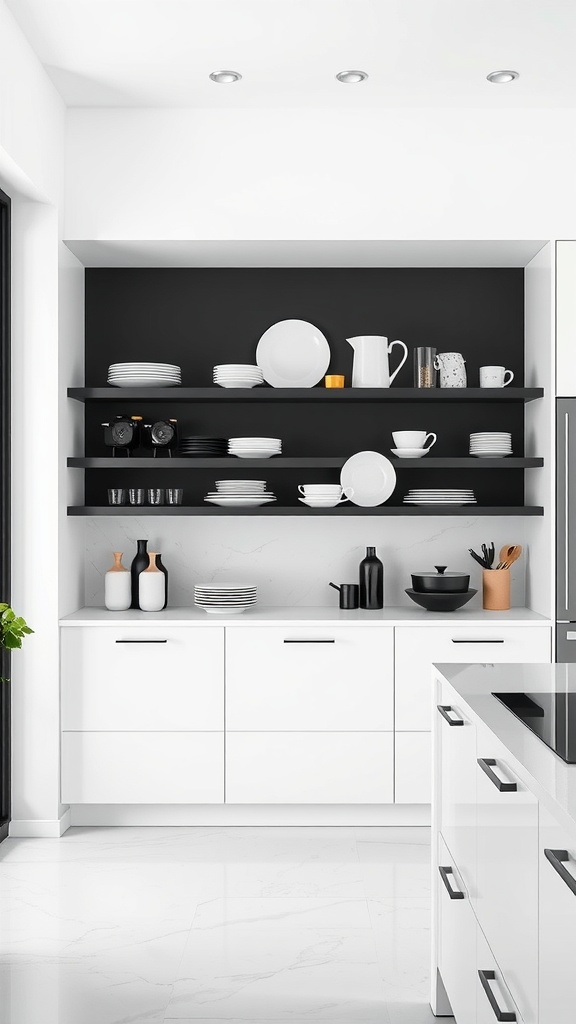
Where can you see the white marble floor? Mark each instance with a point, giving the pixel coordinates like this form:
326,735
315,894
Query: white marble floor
212,925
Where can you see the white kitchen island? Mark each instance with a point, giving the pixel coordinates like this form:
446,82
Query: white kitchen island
503,851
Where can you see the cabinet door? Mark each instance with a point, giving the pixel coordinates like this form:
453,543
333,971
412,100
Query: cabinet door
140,678
494,1001
309,678
142,767
565,318
413,768
456,938
309,768
417,648
506,898
456,783
557,925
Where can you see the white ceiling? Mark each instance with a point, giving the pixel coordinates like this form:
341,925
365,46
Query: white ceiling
159,53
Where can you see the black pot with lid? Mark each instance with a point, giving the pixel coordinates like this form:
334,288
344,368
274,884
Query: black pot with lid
440,582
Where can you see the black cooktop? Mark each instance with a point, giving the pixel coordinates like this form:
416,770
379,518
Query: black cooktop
552,716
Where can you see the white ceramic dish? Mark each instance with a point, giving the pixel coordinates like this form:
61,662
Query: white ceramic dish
225,611
293,354
237,383
137,382
323,502
409,453
255,455
239,502
368,479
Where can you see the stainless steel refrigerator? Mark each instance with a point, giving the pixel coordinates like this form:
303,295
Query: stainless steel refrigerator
566,529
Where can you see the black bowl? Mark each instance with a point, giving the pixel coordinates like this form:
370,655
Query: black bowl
441,602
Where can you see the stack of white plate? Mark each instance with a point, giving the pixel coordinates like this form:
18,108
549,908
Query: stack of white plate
240,494
437,496
144,375
254,447
494,445
225,598
238,375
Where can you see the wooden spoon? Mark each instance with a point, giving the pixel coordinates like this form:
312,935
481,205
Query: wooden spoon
515,552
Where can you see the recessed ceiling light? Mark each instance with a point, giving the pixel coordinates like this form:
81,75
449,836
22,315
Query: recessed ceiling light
351,77
225,77
501,77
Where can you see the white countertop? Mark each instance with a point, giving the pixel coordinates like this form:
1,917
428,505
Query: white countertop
300,615
554,781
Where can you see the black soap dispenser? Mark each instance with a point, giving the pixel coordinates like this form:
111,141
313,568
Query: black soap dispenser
371,581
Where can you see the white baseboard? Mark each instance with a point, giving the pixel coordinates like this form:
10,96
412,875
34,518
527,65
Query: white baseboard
256,815
22,828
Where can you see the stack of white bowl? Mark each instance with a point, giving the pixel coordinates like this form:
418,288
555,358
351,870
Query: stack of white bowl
491,445
254,447
144,375
321,495
225,598
237,375
240,494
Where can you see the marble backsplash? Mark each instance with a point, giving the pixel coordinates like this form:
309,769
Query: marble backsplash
292,559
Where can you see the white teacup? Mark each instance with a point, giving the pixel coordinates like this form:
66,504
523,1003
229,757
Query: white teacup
495,377
320,490
412,438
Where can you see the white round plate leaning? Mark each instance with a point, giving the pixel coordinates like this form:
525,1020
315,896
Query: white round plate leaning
409,453
368,479
293,354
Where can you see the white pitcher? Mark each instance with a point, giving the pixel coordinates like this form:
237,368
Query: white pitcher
370,368
452,366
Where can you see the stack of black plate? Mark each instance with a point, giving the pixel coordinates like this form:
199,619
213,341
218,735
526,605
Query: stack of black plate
203,447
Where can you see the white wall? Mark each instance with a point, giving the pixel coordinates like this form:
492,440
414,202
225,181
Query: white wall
305,174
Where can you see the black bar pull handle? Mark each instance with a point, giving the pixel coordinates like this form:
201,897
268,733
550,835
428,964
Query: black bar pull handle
444,709
454,894
476,641
556,858
502,1015
305,641
141,641
486,764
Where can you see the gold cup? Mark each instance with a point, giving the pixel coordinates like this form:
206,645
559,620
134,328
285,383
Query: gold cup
334,380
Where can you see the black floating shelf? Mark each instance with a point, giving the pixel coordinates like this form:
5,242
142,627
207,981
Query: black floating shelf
287,463
336,395
275,510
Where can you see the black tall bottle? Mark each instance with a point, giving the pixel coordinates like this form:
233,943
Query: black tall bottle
371,581
139,563
165,571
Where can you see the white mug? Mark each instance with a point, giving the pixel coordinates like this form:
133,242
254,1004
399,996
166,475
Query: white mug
412,438
495,377
320,490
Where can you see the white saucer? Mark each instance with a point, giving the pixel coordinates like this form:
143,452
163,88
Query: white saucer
409,453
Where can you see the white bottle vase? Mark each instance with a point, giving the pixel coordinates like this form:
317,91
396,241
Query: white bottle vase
152,587
117,586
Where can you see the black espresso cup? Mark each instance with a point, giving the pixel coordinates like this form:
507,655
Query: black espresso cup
349,595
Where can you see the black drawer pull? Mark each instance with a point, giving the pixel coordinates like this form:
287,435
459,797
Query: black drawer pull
504,1015
444,709
464,641
454,894
141,641
486,764
309,641
556,857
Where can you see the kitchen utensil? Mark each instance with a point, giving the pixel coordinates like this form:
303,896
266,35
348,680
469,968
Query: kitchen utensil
512,554
293,354
368,479
413,438
424,371
349,595
410,453
495,377
440,582
496,590
174,495
334,380
117,495
452,366
370,368
155,495
488,555
441,602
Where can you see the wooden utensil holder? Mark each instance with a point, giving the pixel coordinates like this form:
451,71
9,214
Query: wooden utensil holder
496,590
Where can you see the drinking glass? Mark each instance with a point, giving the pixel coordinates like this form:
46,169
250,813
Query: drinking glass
136,495
174,495
424,372
116,496
155,495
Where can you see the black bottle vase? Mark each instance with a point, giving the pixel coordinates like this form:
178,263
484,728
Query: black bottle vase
165,571
371,581
139,563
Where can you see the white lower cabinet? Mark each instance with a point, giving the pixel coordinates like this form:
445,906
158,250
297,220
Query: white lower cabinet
557,925
456,938
143,767
413,771
456,782
309,767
